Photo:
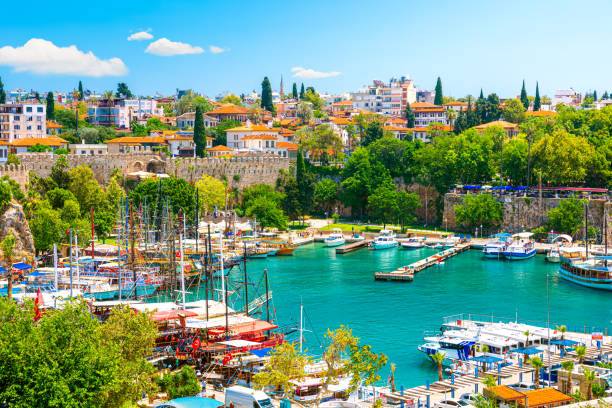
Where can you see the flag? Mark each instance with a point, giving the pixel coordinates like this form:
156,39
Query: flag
37,303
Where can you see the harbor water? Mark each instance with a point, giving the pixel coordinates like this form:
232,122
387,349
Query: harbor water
391,316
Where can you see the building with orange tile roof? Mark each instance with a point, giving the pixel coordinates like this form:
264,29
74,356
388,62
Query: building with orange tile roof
399,132
187,120
541,113
230,111
538,398
286,149
218,150
457,106
53,128
426,113
511,129
132,144
236,135
22,145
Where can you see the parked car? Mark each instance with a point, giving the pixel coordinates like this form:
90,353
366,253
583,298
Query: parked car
523,386
469,397
452,403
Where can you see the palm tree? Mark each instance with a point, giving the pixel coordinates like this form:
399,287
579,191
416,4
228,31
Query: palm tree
451,115
562,329
526,334
392,378
438,358
489,381
537,364
569,367
580,352
8,250
589,378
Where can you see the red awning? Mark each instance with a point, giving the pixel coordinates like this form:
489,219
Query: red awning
172,315
252,327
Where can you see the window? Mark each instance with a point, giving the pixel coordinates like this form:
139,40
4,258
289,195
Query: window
29,127
16,127
39,127
39,109
29,109
16,118
39,118
29,118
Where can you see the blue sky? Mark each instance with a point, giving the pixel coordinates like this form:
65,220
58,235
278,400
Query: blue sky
470,44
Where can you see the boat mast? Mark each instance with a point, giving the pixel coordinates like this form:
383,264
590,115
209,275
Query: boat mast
71,294
246,284
119,256
267,296
301,324
76,249
221,266
132,239
197,220
206,272
586,228
55,274
182,268
93,254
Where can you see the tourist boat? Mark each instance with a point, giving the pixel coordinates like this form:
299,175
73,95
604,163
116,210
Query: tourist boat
449,242
521,247
454,349
336,238
553,255
414,242
495,248
258,253
594,272
282,247
385,240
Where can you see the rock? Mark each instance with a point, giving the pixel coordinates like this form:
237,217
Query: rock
13,221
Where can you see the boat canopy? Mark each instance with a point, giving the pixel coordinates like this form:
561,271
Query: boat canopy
486,359
564,342
524,235
172,315
527,350
564,237
191,402
239,343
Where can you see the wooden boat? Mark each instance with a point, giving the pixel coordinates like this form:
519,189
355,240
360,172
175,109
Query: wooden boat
283,248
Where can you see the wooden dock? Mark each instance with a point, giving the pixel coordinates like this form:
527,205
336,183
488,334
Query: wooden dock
353,246
406,273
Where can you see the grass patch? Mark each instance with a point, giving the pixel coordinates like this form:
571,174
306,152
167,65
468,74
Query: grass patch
297,226
352,227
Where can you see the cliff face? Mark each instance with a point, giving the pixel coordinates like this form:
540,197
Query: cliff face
13,221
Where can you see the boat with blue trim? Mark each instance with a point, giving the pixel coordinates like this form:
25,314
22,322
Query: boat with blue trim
521,247
386,239
496,246
336,238
594,272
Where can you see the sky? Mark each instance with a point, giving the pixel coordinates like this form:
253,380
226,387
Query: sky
334,45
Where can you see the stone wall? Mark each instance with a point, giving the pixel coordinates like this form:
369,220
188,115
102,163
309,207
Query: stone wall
252,169
527,213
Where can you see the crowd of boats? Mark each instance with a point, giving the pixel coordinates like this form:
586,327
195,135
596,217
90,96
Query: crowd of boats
388,239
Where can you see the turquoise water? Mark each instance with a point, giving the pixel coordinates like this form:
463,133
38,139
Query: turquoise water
391,316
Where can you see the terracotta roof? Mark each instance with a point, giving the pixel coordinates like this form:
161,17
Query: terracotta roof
229,109
286,145
137,140
423,105
455,103
259,137
286,131
395,128
444,128
541,113
340,121
343,103
501,123
53,125
45,141
545,397
289,121
220,148
505,392
253,128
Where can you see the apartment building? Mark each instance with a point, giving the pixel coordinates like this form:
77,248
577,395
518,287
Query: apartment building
121,112
387,99
22,120
426,113
236,136
187,120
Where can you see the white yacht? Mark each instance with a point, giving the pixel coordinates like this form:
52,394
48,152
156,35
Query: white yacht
414,242
386,239
521,247
553,255
336,238
496,246
449,242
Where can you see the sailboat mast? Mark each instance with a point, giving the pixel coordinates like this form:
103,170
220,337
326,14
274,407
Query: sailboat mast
246,284
93,253
586,228
182,269
301,325
267,297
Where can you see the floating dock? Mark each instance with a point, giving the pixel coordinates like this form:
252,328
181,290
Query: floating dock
345,249
406,273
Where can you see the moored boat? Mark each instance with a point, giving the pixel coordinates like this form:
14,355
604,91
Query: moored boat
336,238
414,243
595,272
385,240
495,247
553,254
521,247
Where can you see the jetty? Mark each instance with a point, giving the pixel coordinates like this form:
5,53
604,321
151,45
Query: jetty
406,273
353,246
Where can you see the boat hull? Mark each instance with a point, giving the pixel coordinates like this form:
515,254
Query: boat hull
335,242
517,256
384,246
603,284
553,259
406,245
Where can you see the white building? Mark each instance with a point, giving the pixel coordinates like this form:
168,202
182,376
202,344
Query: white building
85,149
387,99
23,120
426,113
121,112
566,97
236,135
187,120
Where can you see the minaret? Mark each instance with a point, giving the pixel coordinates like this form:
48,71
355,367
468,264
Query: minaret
282,88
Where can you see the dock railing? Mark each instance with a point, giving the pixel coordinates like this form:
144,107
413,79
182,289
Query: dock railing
479,317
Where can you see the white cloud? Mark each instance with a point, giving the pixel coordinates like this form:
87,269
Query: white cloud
165,48
43,57
139,36
307,73
216,50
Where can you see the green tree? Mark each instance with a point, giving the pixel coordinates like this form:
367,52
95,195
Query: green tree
439,99
233,99
185,383
326,194
47,226
537,364
568,366
562,158
304,112
407,203
89,135
524,99
188,102
322,143
221,130
302,91
373,132
8,251
537,103
81,93
179,192
409,115
480,110
493,110
392,153
489,381
211,193
50,107
514,111
123,91
266,95
294,92
2,92
438,359
477,210
199,135
383,204
567,217
515,160
268,213
314,98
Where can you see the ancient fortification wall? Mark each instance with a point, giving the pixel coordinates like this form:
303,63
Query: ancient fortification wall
251,169
526,213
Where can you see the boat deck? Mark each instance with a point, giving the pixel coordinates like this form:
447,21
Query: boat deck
406,273
353,246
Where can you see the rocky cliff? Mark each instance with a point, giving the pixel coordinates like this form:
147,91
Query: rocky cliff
13,221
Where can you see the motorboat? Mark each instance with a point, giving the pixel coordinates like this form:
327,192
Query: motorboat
495,247
336,238
414,243
386,239
594,272
560,240
521,247
449,242
553,255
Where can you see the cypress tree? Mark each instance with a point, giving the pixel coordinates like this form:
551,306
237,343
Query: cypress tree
481,94
2,93
50,106
480,111
536,102
595,96
199,137
439,100
605,95
266,95
302,91
81,94
294,92
470,119
493,110
409,114
524,99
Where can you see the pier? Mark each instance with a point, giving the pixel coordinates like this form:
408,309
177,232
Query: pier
353,246
406,273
